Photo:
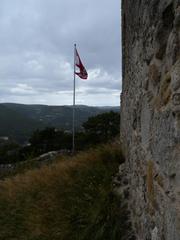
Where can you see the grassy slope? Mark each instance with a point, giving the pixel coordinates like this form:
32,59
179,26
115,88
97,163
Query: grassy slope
69,200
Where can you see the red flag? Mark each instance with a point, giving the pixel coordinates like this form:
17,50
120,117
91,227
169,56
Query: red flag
82,71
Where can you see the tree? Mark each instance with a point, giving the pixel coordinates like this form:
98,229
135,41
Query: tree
50,139
102,128
97,129
9,152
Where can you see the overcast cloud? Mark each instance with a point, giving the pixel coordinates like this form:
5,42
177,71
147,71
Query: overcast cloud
36,51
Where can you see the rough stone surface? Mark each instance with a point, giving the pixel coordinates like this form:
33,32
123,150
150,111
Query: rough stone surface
150,115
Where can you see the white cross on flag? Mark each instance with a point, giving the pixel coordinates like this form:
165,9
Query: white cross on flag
82,71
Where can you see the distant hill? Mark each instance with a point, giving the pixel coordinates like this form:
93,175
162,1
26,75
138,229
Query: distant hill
18,121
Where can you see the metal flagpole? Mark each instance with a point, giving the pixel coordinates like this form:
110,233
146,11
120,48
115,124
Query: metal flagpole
74,102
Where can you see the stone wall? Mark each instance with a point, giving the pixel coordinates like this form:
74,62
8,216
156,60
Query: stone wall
150,115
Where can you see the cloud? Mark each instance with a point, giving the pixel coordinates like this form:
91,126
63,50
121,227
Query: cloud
36,51
23,89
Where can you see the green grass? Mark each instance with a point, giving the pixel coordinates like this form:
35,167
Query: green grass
72,199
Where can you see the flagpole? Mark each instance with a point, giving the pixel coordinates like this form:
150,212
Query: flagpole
74,103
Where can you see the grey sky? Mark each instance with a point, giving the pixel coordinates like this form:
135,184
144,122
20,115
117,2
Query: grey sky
36,51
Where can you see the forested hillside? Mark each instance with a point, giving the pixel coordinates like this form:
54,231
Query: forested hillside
18,121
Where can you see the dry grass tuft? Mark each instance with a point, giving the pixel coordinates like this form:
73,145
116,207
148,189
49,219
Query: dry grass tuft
164,94
154,74
71,199
150,183
159,179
